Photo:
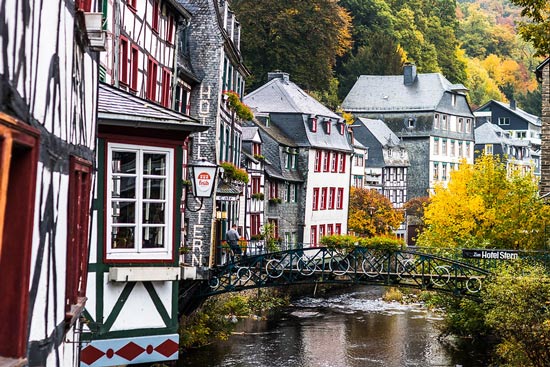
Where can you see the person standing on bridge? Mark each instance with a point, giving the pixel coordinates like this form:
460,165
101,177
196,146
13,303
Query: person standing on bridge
232,238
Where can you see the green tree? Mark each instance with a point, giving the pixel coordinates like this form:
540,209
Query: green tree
517,304
488,204
531,102
537,29
379,56
300,37
371,213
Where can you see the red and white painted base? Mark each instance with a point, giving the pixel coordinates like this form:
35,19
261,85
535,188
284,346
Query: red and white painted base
113,352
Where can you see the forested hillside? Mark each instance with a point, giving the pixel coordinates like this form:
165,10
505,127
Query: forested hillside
326,44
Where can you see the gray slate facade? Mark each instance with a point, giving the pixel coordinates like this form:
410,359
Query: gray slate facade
217,63
422,110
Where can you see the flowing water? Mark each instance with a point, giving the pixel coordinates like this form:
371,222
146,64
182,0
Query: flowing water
355,329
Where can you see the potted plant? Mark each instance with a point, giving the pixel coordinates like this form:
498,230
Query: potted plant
275,201
233,173
258,196
236,105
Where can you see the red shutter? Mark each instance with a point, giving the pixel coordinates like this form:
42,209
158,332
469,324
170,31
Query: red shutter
123,78
134,68
77,230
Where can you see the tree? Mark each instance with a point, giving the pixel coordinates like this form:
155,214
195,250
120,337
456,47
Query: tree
482,87
300,37
379,56
371,213
486,204
537,29
518,311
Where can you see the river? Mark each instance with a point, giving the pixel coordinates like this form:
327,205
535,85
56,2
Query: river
347,329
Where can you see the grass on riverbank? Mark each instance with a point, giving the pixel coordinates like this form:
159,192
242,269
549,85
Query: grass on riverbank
216,318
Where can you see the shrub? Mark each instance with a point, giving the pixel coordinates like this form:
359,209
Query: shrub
339,241
382,243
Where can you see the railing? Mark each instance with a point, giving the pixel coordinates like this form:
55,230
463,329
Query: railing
409,268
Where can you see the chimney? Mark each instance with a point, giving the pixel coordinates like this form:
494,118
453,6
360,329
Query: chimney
409,74
512,104
278,75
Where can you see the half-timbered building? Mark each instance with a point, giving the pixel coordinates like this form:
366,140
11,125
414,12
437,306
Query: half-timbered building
132,314
48,93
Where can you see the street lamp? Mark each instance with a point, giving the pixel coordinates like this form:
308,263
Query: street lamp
203,175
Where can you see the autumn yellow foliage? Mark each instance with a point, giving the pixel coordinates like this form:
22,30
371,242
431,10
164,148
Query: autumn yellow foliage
371,213
488,205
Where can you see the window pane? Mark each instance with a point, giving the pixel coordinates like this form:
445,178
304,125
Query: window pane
154,188
124,187
154,164
124,162
153,237
153,213
123,212
122,237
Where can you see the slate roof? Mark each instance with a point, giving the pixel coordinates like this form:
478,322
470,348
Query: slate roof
376,135
489,133
117,107
535,120
389,93
248,133
271,137
225,188
283,96
380,131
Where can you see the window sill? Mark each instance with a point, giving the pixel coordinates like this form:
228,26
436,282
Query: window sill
142,274
12,362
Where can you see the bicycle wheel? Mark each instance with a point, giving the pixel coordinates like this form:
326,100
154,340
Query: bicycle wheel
405,268
473,285
214,282
371,267
274,268
339,266
306,266
244,274
441,276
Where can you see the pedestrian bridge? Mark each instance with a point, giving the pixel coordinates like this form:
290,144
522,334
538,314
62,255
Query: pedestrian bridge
405,268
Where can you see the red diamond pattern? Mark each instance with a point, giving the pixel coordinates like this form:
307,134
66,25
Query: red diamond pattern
90,354
167,348
130,351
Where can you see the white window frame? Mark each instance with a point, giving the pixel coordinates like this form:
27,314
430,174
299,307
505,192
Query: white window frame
504,121
138,252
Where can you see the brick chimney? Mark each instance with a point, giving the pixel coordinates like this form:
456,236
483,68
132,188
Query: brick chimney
409,74
278,75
